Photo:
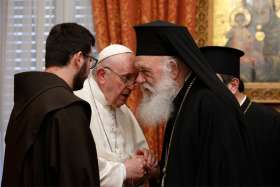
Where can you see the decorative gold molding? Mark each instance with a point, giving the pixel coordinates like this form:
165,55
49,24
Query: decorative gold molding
263,92
201,27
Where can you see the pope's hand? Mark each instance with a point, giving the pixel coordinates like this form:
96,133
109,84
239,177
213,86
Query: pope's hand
135,167
150,158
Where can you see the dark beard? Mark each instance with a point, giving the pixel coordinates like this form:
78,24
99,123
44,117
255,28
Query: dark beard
79,78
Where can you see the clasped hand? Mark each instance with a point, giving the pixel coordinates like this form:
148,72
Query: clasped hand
141,165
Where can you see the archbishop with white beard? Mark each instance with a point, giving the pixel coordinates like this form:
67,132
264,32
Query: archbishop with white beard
205,140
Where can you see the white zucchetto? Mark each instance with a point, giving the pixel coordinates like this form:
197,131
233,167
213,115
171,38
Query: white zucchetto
111,50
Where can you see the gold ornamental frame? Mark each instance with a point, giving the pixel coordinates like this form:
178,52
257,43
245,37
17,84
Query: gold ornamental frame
218,25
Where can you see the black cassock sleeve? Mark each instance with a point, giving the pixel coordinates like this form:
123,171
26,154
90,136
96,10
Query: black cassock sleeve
71,149
227,155
264,128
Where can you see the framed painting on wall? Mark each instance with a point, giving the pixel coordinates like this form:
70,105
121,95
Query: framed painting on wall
254,27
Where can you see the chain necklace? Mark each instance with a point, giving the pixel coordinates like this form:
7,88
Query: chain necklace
99,117
172,132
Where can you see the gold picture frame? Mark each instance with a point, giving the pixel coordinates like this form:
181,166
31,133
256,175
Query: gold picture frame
221,21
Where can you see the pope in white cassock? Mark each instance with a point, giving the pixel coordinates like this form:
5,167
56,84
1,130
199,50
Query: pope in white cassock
118,136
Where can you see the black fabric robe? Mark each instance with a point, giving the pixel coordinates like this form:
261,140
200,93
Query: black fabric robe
263,125
48,139
209,146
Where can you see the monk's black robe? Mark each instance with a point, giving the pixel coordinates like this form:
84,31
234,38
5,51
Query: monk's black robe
263,125
48,139
209,145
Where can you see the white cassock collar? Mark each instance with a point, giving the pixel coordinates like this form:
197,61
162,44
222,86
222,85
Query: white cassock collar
95,89
242,101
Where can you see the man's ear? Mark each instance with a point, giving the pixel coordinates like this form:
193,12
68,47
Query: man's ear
100,75
78,59
234,84
174,69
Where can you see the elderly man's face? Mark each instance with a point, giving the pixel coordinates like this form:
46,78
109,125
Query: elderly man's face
150,72
158,87
119,79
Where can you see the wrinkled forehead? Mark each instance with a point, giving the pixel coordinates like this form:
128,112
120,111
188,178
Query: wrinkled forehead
148,61
123,62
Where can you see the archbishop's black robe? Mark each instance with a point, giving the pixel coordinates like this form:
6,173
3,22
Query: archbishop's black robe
263,125
48,139
209,145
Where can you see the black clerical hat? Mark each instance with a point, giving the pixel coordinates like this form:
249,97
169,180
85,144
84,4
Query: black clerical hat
161,38
224,60
151,38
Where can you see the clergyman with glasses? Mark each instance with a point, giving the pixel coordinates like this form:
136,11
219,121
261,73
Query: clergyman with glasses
123,155
48,140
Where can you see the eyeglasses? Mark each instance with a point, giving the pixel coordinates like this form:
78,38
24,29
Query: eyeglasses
128,79
92,60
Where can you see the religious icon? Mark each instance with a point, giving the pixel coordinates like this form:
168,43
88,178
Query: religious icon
253,26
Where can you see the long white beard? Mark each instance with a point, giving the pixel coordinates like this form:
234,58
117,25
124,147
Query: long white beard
158,106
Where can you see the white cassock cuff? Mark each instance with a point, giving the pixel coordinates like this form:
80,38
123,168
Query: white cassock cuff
112,174
123,170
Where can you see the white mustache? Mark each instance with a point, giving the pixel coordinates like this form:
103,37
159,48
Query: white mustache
158,106
148,87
